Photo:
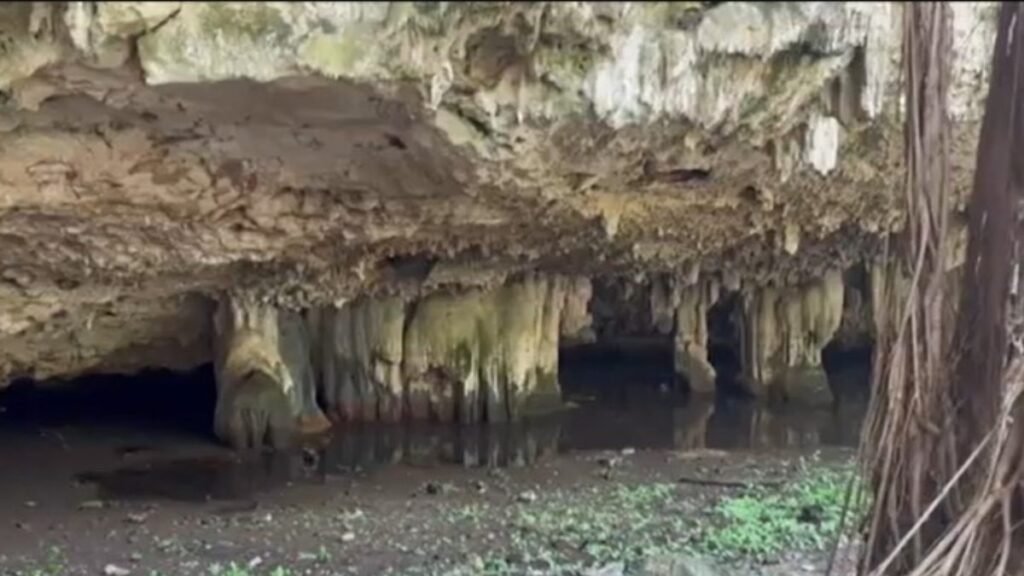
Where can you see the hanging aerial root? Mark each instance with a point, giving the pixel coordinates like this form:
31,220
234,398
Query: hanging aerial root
944,455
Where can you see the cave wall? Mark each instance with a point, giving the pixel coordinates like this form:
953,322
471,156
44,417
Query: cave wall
157,156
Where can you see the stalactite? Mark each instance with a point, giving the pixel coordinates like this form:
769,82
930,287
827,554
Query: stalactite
783,333
576,323
665,294
296,341
443,344
477,355
488,354
254,386
361,350
691,334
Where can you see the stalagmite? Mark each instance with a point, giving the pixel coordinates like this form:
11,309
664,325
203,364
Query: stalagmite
691,335
664,301
258,396
361,351
784,331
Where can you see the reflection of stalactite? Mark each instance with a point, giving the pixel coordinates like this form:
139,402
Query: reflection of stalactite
510,444
769,426
690,425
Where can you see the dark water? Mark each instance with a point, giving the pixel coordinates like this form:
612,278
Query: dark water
129,437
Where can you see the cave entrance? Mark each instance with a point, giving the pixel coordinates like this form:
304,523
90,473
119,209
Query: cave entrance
724,346
134,411
630,358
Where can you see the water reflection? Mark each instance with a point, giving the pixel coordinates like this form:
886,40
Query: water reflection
505,445
681,426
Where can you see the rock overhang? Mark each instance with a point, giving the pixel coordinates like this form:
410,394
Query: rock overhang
315,152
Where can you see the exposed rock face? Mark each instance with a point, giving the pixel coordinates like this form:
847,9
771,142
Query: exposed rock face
156,155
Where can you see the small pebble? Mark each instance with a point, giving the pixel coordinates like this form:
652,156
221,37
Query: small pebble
115,570
527,497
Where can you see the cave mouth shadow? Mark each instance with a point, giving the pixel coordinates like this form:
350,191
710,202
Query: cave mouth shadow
610,370
629,370
151,400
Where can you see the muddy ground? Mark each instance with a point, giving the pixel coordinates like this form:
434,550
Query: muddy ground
118,478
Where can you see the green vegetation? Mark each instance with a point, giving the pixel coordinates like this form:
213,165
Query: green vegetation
566,533
233,569
54,565
763,522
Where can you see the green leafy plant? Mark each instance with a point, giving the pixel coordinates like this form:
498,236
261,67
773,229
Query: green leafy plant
763,522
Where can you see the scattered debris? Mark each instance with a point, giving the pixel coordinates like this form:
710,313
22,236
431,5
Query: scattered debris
527,497
437,488
115,570
137,517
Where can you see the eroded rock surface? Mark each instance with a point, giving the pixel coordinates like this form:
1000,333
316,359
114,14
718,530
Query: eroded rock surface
330,156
